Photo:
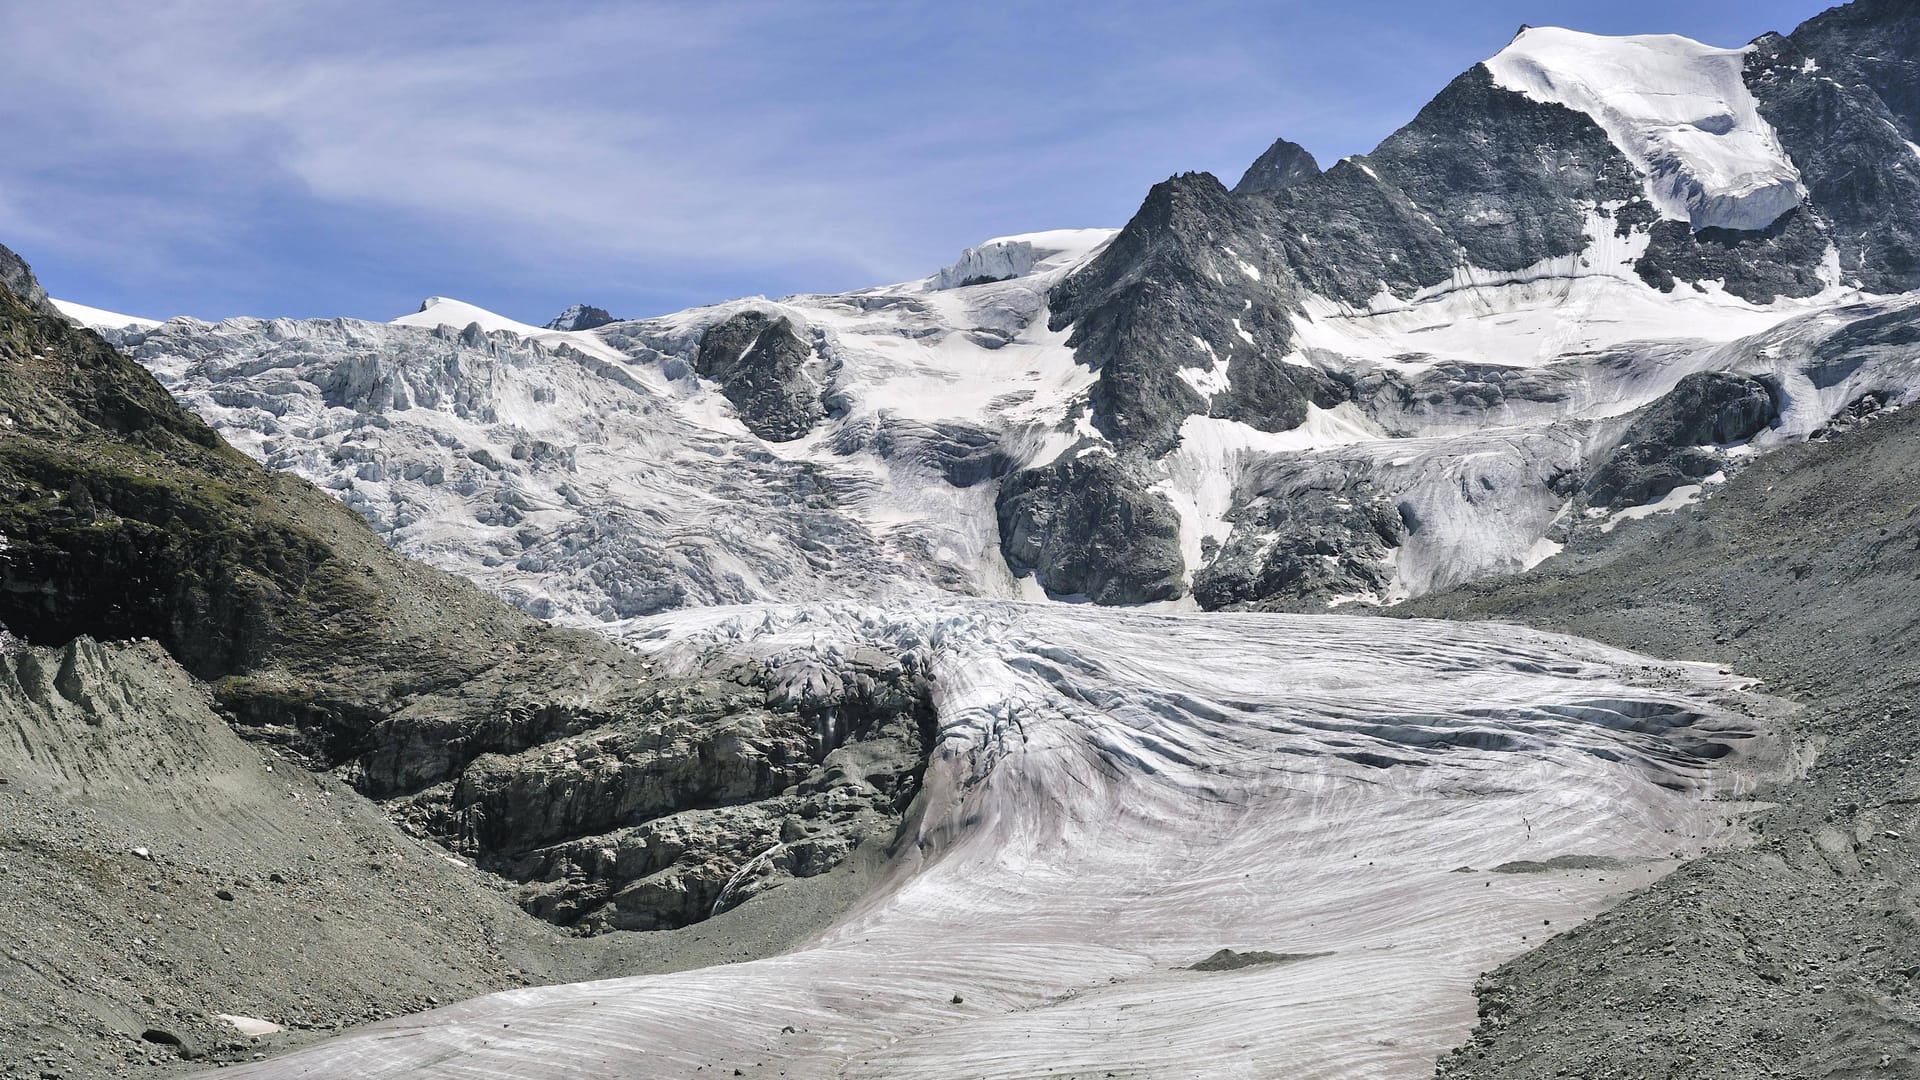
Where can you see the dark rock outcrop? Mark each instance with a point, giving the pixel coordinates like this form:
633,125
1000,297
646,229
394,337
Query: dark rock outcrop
761,365
692,796
582,317
1283,165
1084,527
1505,182
1675,440
1300,547
1841,92
17,278
1191,282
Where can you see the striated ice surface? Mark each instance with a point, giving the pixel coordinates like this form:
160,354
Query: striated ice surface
1114,796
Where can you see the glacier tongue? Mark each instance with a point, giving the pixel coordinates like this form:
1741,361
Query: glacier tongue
1114,796
1678,109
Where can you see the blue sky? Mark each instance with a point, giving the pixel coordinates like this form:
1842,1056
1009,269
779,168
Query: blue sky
270,158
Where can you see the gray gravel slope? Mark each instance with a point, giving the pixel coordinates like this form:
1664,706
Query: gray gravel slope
1799,956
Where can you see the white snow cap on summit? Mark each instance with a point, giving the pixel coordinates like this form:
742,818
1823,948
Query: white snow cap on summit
458,314
1678,109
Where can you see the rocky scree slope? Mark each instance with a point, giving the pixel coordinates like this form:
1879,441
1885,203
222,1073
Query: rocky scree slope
539,752
1799,955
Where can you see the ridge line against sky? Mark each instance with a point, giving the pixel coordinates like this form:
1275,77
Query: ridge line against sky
253,157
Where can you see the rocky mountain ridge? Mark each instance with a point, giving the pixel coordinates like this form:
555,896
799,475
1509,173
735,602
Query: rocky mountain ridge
1262,368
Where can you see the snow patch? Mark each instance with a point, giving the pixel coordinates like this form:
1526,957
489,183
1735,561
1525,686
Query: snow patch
251,1025
458,314
1682,496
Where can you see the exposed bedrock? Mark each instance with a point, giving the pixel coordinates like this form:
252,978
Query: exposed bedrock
1759,266
1677,439
1192,284
1085,527
1328,539
1480,172
582,317
761,366
17,278
1284,164
676,803
1843,94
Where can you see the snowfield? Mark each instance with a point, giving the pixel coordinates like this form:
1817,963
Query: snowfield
1676,108
1115,796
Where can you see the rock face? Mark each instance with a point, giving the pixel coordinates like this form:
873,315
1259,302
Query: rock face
1677,440
1085,528
1190,292
1482,175
581,317
1842,93
761,365
17,278
685,799
1283,165
1306,547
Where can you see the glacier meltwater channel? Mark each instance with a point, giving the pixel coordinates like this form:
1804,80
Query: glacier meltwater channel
1116,795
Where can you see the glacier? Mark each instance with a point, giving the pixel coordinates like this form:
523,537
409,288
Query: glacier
591,476
1117,795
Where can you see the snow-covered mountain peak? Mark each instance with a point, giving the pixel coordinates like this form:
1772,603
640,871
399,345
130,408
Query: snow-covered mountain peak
436,311
1007,257
1678,109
